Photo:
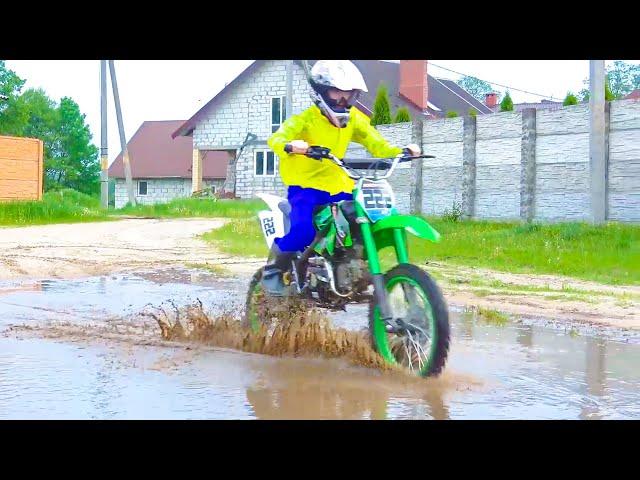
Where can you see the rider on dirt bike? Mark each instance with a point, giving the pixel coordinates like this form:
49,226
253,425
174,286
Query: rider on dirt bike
333,122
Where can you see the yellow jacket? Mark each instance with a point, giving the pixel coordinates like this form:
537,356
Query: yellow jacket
315,129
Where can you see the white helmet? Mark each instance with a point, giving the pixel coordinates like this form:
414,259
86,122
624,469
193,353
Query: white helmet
342,75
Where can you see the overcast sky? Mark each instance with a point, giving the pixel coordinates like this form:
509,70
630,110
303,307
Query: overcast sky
176,89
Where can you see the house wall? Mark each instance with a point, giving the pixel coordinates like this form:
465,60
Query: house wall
247,108
159,190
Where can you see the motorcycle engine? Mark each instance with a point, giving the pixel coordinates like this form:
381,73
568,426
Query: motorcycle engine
351,272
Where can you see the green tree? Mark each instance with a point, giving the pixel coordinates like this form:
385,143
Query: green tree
35,115
381,107
621,79
402,115
10,83
77,155
476,87
608,94
10,86
584,94
506,105
570,99
451,114
70,159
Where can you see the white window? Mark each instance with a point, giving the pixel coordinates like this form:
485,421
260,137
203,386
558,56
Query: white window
265,163
278,112
142,187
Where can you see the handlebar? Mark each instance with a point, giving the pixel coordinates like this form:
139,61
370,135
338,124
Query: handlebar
319,153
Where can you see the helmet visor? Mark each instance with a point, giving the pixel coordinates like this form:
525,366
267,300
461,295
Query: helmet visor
340,99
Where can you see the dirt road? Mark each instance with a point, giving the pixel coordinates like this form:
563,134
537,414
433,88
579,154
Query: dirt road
79,250
84,249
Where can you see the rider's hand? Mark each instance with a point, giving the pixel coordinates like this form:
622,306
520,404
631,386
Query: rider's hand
412,149
299,147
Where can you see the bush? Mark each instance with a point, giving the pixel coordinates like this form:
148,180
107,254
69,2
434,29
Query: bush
455,214
506,105
381,107
402,115
570,99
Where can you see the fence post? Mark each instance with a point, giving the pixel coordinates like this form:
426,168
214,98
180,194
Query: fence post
417,184
468,166
528,165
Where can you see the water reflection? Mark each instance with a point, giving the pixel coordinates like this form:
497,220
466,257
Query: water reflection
595,378
321,390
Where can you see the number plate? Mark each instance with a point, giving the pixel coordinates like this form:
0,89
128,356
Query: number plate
377,199
272,224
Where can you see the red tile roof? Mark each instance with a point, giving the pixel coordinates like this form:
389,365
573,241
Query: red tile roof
154,154
635,95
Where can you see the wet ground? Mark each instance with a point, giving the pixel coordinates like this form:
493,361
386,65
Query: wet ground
80,349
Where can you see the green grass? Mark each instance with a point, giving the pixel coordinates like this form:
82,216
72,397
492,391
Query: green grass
488,315
240,237
70,206
607,254
493,317
565,289
219,270
195,207
63,206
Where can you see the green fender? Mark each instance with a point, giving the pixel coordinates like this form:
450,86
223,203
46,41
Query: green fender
383,229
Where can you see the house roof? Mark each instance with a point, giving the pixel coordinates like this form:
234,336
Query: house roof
155,154
444,95
635,94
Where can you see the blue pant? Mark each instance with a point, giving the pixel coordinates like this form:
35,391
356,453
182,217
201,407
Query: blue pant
303,201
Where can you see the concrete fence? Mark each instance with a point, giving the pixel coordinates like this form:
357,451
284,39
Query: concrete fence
529,165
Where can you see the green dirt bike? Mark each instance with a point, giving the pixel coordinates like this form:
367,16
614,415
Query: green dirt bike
408,316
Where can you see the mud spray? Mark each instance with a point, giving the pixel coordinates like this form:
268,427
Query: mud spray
288,327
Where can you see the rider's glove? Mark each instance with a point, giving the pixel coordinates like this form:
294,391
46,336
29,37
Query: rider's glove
412,150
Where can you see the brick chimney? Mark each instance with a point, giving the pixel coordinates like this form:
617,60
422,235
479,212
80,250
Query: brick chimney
413,82
491,99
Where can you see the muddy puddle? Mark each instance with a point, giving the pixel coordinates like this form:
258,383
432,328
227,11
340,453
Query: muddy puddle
81,349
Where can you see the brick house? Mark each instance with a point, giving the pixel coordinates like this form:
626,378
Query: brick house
161,165
491,101
242,116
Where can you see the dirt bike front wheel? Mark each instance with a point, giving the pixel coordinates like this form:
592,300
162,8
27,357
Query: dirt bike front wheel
415,298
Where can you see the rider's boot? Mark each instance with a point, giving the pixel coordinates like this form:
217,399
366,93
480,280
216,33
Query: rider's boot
272,281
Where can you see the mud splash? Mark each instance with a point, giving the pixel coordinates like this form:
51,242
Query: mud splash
294,329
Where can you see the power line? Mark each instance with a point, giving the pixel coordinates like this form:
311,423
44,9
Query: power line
498,84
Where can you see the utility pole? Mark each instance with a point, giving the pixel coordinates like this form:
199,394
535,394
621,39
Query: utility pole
104,158
123,141
597,165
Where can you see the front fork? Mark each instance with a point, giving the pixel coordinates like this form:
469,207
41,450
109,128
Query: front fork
377,277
